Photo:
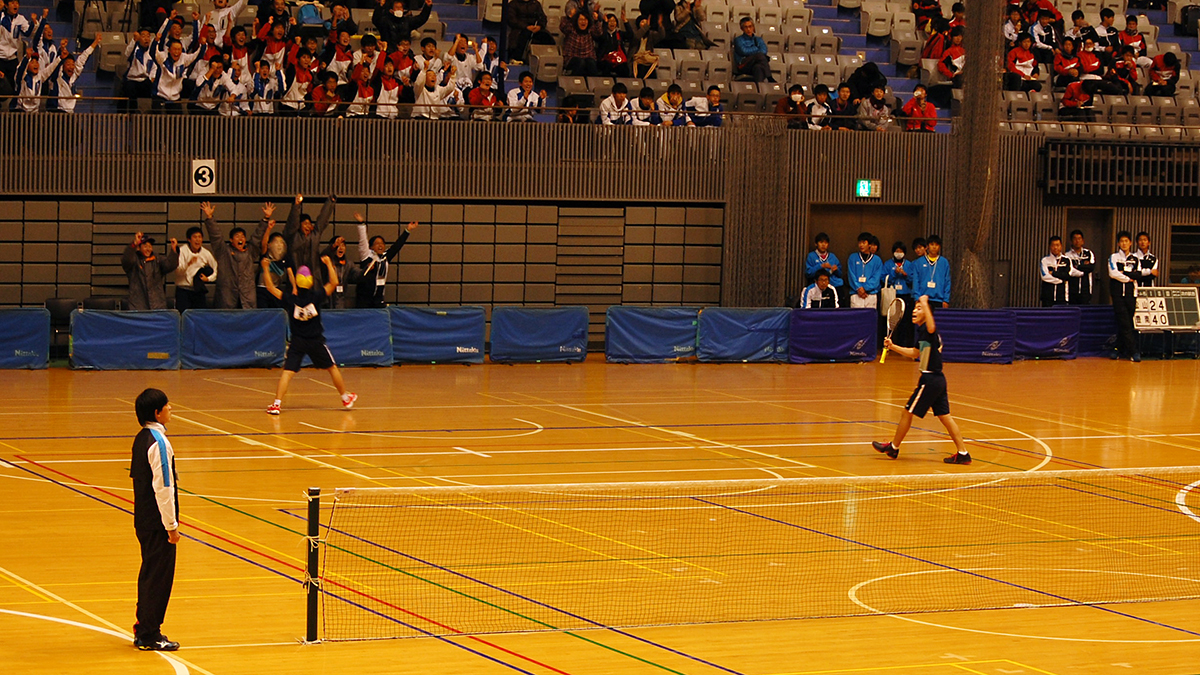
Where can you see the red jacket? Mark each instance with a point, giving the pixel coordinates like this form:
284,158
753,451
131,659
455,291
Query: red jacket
935,45
920,116
951,63
1123,72
1022,62
1163,73
1090,64
1063,63
1075,96
323,99
1137,41
1029,11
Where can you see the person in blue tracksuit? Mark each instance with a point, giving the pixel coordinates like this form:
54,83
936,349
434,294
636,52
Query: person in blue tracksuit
819,294
865,272
932,275
897,275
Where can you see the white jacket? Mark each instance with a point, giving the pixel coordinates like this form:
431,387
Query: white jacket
190,263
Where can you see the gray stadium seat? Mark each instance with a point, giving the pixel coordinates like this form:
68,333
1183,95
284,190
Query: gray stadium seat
693,69
1019,106
545,62
906,49
798,41
875,19
1144,112
826,44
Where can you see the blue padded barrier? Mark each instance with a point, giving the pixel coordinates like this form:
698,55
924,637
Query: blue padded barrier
357,337
977,335
1047,332
1097,330
742,335
824,335
234,338
650,334
438,334
107,340
535,335
25,337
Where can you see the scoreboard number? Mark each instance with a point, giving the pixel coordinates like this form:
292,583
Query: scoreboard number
1166,308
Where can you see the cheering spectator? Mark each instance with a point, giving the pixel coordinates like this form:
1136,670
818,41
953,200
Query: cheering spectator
1022,70
47,50
369,57
671,107
921,114
359,95
485,97
293,84
237,48
262,90
1066,64
234,101
30,76
429,60
1123,268
1076,103
207,95
1164,75
347,274
844,112
932,275
874,113
526,25
197,267
1083,260
865,272
523,101
374,256
616,108
1045,38
643,40
689,24
303,235
70,67
1057,272
139,74
610,46
953,59
235,285
579,42
792,107
393,22
433,100
1014,26
339,57
822,259
1147,271
750,55
705,111
147,272
14,31
273,249
325,97
387,93
817,110
466,66
173,67
340,21
819,294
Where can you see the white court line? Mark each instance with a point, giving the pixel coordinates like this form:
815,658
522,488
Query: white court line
445,436
471,451
589,473
39,479
176,665
1045,448
1181,500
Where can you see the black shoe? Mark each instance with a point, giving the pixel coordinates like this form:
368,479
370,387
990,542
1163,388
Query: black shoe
886,448
1114,355
158,644
1136,358
958,458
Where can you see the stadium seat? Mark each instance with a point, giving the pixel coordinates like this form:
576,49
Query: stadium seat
575,86
717,14
748,102
797,17
904,22
1120,114
802,74
772,92
1090,7
1190,114
693,69
798,41
545,62
930,75
1122,130
1169,114
1144,112
1044,106
1020,108
1172,133
493,11
1071,130
685,54
1067,7
1101,131
120,21
906,49
826,44
691,89
770,16
876,21
112,52
776,64
849,4
660,86
739,12
1149,133
633,85
601,87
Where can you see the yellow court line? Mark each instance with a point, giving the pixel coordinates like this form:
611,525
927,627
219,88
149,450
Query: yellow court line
969,670
917,666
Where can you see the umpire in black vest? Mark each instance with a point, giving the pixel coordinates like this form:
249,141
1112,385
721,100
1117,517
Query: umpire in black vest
155,518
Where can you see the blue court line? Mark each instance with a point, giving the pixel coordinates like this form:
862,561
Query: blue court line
525,598
249,434
945,567
288,577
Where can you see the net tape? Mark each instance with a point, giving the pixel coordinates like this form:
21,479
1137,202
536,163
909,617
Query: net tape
401,562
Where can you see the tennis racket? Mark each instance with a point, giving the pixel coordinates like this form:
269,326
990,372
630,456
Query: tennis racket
895,314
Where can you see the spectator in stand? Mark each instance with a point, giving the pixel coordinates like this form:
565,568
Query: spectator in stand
671,107
387,93
303,235
173,66
262,90
293,84
429,60
139,74
615,110
938,40
1032,8
484,96
210,90
234,103
953,59
340,21
1147,262
819,294
209,52
932,274
658,12
466,66
919,250
750,61
1076,103
817,110
643,111
325,98
197,267
338,57
689,24
370,56
1083,260
523,100
865,79
610,47
433,100
897,275
1164,75
1056,271
359,95
526,25
1046,38
1108,41
958,15
222,18
347,274
1021,73
147,272
844,112
393,22
1091,68
926,11
1130,37
46,48
1080,28
15,30
792,107
644,38
1123,268
1121,77
706,111
63,79
1014,26
1066,64
921,114
865,271
579,42
235,285
1193,276
237,48
570,114
277,10
821,259
874,113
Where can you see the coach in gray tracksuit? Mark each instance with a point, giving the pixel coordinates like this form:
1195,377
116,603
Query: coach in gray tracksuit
148,272
237,260
304,237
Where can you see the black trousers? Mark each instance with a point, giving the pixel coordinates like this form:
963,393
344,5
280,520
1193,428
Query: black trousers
185,299
1123,308
155,580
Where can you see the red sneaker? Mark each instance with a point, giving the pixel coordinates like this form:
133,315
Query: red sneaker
348,401
273,409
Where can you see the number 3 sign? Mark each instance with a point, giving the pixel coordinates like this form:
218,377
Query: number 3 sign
204,176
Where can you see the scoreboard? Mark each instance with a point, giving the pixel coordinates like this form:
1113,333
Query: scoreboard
1167,308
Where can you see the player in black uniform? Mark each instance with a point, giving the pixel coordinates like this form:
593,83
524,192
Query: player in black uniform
931,389
308,336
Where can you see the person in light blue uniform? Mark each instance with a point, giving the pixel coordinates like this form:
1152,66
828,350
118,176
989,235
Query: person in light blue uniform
865,272
898,275
932,274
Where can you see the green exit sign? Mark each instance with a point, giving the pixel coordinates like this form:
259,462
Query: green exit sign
870,189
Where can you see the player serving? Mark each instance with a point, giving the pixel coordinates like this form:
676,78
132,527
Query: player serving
931,388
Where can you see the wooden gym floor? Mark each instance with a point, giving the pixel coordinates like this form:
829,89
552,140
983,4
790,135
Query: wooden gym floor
69,558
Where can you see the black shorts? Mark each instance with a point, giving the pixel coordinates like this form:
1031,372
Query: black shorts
930,393
316,350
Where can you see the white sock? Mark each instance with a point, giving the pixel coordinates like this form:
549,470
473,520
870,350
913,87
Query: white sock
277,402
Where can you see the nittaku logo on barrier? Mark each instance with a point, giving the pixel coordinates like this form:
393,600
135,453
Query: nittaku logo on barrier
570,350
679,349
1062,346
991,349
857,349
466,350
25,352
370,352
265,355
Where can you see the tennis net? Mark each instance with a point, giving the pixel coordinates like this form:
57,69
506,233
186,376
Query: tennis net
470,560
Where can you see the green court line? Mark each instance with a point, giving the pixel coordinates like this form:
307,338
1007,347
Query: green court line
442,586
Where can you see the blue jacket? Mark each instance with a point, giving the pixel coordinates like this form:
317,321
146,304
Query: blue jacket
867,275
745,47
812,265
932,272
902,283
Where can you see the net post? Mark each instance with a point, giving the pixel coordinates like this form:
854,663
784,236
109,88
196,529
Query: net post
313,572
